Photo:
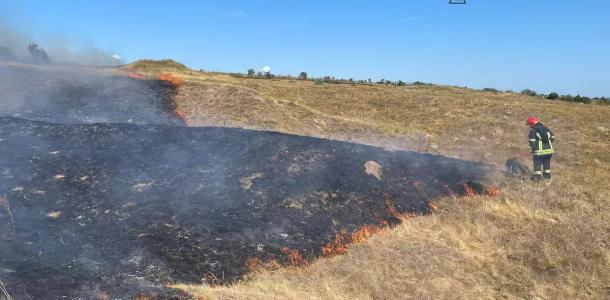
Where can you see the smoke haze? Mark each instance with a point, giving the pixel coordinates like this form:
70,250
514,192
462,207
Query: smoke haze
58,48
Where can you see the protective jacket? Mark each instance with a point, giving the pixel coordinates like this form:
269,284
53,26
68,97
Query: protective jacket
541,140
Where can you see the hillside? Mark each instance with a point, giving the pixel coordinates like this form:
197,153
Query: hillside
544,241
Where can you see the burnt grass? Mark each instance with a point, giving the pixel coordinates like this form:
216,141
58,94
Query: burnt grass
76,96
104,193
142,206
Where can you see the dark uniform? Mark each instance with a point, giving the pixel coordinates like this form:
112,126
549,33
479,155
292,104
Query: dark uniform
541,141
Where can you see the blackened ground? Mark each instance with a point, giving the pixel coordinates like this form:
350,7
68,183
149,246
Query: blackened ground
124,209
74,95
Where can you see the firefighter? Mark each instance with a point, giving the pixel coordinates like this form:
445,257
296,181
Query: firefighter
541,141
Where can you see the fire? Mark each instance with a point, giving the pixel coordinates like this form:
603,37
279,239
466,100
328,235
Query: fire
174,80
433,206
468,190
492,191
337,246
177,82
473,189
365,232
392,210
135,76
296,259
254,263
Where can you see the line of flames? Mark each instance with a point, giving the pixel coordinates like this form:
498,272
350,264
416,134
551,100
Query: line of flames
177,83
340,244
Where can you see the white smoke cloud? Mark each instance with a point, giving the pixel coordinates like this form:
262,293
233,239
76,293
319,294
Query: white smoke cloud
59,48
266,69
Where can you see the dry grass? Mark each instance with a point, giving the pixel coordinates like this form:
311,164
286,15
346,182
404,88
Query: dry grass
537,241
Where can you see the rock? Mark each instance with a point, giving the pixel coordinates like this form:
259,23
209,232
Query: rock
373,168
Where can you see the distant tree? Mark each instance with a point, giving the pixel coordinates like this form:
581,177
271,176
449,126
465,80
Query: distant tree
401,83
327,79
303,75
251,72
529,92
369,80
492,90
38,55
268,75
567,97
603,100
552,96
577,98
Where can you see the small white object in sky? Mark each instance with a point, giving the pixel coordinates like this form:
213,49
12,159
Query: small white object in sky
116,56
266,69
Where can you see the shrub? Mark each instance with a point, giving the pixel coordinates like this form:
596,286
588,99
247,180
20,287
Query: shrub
38,55
491,90
529,92
303,75
552,96
251,72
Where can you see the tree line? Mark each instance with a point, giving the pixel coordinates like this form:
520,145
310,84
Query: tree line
332,80
37,55
556,96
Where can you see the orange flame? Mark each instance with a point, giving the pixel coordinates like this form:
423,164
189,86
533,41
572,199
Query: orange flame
174,80
365,232
433,206
493,191
468,190
135,76
337,246
177,82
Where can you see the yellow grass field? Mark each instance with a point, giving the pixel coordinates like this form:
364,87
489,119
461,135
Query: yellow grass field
536,241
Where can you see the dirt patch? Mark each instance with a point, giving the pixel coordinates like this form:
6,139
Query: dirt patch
374,169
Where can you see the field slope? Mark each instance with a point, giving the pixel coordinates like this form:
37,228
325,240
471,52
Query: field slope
541,241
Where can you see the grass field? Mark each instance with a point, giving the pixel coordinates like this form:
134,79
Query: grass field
536,241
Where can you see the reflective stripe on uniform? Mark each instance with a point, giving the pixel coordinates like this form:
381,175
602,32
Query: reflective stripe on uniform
544,152
540,148
547,171
538,172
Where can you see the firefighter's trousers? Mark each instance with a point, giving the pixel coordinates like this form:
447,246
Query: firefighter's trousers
542,166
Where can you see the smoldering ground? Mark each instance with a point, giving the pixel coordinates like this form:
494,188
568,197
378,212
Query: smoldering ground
72,94
93,205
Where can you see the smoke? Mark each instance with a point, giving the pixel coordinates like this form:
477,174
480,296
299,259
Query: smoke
266,69
14,43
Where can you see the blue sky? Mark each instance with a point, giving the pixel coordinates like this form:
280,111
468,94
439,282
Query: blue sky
544,45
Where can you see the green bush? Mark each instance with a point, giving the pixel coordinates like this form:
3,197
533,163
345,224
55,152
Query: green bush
552,96
529,92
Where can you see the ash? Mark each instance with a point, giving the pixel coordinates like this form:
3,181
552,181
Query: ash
94,210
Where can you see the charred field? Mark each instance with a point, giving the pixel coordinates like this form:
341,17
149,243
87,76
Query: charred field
93,206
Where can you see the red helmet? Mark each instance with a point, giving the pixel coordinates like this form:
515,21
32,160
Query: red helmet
531,121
